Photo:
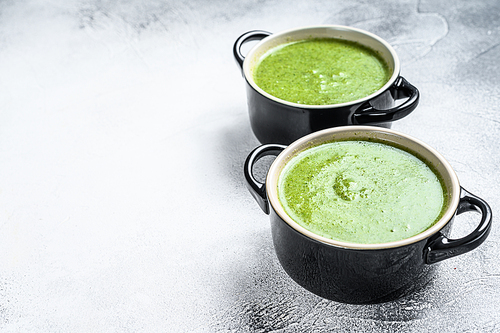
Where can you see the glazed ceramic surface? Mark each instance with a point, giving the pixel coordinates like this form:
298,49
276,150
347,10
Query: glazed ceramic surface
364,273
277,121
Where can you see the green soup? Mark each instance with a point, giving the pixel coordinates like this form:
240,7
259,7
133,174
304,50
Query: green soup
321,71
361,192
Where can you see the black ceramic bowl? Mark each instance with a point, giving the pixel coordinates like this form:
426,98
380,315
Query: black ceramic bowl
274,120
364,273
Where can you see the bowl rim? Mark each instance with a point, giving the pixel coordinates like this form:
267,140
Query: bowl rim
358,132
248,64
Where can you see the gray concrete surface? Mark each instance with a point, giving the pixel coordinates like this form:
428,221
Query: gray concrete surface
123,131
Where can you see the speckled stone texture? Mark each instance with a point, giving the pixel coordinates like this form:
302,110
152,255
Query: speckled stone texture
123,132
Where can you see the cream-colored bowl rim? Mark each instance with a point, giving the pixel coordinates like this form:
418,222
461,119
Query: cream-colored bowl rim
322,31
417,147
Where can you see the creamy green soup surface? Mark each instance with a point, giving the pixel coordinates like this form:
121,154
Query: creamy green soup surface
361,192
321,71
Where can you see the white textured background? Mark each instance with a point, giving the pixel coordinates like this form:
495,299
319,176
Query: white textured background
123,132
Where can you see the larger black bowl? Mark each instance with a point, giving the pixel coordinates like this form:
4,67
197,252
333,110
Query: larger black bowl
364,273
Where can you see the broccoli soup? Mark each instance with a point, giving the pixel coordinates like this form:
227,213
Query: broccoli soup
321,71
361,192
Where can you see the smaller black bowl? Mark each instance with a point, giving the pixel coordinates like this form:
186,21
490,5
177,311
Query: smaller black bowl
274,120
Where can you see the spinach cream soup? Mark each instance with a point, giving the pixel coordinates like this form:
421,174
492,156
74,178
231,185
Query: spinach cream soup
321,71
361,192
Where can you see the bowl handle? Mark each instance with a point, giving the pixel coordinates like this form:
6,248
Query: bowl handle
367,114
441,248
256,188
246,37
